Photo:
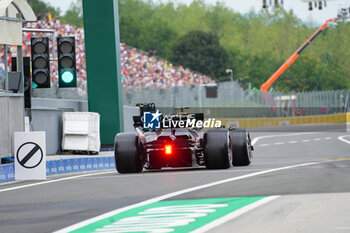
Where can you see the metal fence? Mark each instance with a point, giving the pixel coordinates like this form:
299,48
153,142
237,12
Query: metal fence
229,94
233,101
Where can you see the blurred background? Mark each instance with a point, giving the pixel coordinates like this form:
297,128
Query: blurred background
171,52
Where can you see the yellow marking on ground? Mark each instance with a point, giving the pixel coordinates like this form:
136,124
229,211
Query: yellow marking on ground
336,119
327,160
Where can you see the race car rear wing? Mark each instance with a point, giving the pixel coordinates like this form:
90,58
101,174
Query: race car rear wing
171,120
150,107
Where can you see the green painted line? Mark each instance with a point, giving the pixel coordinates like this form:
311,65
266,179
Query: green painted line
170,216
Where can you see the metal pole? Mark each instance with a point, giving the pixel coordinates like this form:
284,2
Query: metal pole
231,83
200,96
6,69
38,30
174,97
21,89
20,67
53,47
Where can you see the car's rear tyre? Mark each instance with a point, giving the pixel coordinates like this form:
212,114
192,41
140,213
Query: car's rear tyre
241,147
217,152
127,153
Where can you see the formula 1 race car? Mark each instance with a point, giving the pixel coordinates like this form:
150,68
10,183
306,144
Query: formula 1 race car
177,141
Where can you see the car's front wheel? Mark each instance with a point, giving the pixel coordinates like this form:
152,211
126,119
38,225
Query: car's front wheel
241,147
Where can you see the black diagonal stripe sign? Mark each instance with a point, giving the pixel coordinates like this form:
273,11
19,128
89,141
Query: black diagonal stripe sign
29,155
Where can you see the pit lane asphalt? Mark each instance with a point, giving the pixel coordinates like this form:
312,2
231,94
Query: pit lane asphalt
52,206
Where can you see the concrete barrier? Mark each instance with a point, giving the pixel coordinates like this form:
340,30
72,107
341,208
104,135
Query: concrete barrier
65,165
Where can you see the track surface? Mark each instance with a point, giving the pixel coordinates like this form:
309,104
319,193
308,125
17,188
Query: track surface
314,198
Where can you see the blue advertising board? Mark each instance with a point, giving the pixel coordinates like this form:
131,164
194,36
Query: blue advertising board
60,166
67,165
7,173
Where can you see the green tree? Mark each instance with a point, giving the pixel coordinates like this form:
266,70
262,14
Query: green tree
134,16
159,37
42,8
141,28
310,74
202,52
74,15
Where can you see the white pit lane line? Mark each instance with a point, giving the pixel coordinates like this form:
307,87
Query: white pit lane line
255,140
262,145
180,192
342,138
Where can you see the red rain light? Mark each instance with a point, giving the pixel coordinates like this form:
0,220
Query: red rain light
168,149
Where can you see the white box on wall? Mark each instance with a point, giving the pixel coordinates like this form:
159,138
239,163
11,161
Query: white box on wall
81,131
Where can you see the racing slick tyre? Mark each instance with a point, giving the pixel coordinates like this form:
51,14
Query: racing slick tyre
127,154
241,147
216,148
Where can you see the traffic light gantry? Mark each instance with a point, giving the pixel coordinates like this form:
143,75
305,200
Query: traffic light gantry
67,75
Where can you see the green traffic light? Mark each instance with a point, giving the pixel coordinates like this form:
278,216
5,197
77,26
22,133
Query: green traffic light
67,76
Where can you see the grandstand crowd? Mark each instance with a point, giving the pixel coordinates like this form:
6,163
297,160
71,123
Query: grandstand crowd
140,70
